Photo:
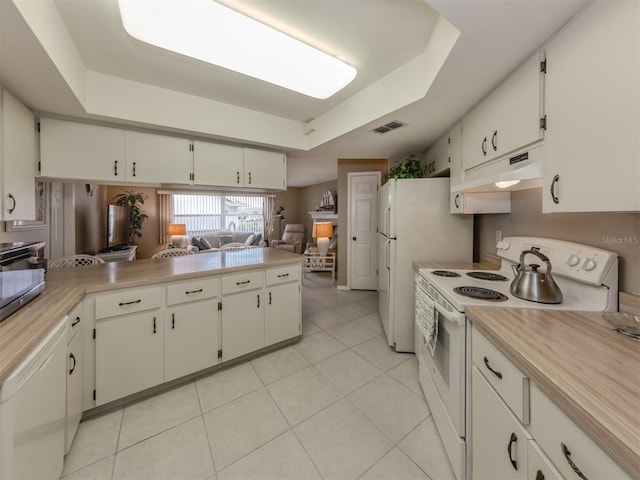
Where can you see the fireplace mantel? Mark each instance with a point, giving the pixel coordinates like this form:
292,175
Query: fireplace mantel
324,217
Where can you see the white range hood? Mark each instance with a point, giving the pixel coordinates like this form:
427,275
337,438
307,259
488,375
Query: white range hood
523,165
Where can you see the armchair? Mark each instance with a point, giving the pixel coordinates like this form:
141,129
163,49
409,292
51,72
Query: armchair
292,238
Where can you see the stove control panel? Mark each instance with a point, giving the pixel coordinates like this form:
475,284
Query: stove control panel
572,260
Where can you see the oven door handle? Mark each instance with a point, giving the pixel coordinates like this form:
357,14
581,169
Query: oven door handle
444,313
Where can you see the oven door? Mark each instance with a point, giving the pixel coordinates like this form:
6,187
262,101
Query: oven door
446,367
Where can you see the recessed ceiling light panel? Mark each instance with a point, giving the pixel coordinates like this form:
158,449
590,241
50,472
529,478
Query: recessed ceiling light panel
214,33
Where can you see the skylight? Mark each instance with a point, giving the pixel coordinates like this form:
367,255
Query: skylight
214,33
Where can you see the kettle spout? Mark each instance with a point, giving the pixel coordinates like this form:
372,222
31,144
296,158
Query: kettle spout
516,269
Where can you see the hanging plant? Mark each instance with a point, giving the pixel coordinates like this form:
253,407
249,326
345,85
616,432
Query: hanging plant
132,201
411,168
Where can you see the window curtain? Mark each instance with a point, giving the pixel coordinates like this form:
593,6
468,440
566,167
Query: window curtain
165,214
269,207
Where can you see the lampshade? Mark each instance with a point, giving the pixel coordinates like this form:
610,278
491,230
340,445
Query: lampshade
323,229
177,229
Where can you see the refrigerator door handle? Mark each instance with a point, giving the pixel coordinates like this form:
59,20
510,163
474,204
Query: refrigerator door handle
387,251
387,221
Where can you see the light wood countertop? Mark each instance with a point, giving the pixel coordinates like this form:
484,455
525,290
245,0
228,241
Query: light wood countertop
591,372
21,332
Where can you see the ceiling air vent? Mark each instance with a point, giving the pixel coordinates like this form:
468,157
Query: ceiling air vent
387,127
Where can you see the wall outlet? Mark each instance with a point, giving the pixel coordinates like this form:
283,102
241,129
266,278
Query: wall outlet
498,235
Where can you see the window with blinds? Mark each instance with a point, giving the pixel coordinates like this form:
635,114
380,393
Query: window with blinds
210,213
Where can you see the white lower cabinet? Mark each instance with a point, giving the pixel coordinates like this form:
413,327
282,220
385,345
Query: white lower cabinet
500,442
282,313
242,323
190,338
129,355
74,377
539,467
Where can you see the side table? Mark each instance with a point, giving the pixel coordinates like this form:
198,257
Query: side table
314,262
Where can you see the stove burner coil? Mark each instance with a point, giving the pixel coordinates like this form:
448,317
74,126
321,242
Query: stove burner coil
481,294
445,273
494,277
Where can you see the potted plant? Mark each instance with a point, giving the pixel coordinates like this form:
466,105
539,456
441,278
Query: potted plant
411,168
133,200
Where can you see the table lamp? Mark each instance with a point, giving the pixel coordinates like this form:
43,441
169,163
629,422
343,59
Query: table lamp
322,231
176,232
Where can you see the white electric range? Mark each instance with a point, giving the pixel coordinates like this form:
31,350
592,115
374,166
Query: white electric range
587,277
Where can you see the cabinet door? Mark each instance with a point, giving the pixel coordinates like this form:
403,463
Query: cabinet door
539,467
499,441
81,151
74,389
592,103
18,160
215,164
129,355
157,158
455,154
242,323
264,169
191,338
282,313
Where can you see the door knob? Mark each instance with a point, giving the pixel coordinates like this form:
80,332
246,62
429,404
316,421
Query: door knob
353,238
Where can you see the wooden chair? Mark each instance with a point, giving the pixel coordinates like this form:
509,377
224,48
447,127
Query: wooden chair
172,252
74,261
233,246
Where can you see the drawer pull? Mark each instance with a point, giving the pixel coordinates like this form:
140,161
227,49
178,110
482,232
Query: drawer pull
243,283
71,357
539,475
513,439
130,303
189,292
283,275
75,322
574,467
496,373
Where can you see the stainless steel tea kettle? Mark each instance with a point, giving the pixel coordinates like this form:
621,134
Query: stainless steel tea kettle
535,286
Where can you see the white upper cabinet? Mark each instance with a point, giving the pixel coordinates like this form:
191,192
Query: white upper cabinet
157,158
455,154
263,169
81,151
17,160
593,108
215,164
507,119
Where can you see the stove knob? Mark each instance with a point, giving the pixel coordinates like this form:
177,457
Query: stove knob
573,260
589,264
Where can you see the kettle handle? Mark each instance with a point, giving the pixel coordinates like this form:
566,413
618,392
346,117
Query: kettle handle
541,256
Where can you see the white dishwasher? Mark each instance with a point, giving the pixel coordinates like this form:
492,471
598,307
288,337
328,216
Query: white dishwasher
32,412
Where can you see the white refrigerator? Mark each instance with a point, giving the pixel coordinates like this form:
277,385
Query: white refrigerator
415,226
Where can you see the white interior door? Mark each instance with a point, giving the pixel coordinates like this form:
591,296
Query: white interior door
363,219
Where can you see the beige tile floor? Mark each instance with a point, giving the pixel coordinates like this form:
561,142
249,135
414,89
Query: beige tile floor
339,404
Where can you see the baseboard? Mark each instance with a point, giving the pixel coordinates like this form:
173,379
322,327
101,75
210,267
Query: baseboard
343,287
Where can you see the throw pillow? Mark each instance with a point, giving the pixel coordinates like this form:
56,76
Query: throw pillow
257,240
197,243
205,243
224,239
250,239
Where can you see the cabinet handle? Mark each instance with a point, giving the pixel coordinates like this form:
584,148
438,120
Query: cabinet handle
455,201
574,467
258,300
484,146
249,178
243,283
154,324
130,303
554,182
496,373
238,178
283,275
539,475
494,141
71,357
115,167
189,292
134,169
173,321
269,298
75,322
13,201
513,439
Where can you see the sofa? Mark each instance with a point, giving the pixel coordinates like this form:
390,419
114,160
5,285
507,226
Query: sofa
213,239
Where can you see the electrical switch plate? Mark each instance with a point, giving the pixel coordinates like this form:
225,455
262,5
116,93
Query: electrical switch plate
498,235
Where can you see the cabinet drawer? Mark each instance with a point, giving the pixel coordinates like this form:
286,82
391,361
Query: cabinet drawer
283,274
563,442
510,383
240,282
122,302
539,467
73,322
188,291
